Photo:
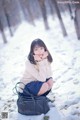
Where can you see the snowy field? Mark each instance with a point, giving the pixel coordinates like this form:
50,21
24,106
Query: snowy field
66,68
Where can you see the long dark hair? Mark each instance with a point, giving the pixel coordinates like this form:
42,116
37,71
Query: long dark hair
40,43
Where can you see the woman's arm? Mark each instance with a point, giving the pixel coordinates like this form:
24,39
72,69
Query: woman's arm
37,74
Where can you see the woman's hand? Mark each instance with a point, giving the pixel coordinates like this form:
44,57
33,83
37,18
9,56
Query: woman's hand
37,58
45,54
40,56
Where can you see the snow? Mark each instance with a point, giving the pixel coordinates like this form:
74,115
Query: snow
66,68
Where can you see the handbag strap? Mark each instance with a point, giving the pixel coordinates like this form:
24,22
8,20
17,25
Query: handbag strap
24,90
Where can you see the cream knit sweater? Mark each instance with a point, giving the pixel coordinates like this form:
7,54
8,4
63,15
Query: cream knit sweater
39,72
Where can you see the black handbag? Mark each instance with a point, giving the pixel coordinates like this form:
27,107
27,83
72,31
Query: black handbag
32,105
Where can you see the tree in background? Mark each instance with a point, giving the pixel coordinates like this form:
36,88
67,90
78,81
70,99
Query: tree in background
13,12
77,19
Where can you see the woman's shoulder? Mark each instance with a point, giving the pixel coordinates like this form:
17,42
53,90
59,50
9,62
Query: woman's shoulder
28,63
29,66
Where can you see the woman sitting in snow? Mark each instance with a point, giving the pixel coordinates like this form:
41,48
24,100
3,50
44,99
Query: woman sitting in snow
38,75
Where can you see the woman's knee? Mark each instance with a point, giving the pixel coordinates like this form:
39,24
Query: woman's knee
50,83
44,88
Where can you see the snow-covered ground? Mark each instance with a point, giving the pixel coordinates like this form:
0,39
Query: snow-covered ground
66,68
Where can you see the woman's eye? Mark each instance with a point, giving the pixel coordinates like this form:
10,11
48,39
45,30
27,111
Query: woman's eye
35,49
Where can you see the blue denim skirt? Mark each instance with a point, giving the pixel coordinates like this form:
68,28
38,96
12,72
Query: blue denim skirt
34,87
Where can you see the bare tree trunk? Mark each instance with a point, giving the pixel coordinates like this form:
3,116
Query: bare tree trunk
23,9
9,25
60,18
44,14
77,22
2,32
70,10
7,17
51,8
26,9
30,13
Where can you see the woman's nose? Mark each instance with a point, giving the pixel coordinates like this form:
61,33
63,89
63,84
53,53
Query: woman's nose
40,51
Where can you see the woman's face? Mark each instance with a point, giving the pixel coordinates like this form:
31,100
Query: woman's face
38,50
